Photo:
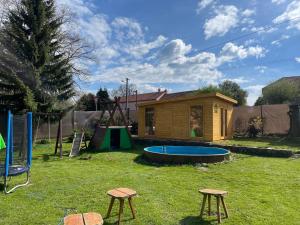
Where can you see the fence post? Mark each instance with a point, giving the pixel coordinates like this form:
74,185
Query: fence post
262,119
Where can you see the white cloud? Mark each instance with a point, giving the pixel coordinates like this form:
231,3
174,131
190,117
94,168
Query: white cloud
176,65
79,7
291,14
262,30
174,51
297,59
127,29
248,12
254,92
278,2
278,41
202,4
230,52
226,18
249,42
261,69
143,48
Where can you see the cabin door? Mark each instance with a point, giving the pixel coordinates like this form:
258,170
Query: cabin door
223,122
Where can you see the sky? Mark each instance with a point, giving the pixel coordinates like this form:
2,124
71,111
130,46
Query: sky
182,45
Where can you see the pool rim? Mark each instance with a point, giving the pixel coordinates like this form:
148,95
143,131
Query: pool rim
188,155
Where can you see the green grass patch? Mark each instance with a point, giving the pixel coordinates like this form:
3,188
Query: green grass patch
292,144
261,190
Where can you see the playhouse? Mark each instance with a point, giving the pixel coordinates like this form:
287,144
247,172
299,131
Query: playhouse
111,136
187,115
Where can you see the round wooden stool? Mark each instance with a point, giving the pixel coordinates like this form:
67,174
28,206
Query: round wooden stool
121,194
219,194
84,219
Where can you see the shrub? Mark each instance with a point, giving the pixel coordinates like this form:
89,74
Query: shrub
255,125
44,141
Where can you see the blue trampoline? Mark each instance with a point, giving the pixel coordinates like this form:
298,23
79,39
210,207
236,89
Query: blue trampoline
18,152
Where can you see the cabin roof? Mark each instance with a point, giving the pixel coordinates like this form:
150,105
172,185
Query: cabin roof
188,95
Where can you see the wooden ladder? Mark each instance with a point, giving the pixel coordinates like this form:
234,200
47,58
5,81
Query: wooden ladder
76,145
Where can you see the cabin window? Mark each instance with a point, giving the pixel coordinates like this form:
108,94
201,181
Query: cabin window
223,122
196,121
149,121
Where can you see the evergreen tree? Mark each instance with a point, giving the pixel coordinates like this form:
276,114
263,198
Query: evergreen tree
102,96
86,103
34,30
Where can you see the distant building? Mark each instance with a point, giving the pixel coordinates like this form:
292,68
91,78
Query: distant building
134,100
293,80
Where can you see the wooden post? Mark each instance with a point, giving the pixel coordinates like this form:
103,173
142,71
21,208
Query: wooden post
209,205
60,138
131,207
57,139
121,210
49,130
218,209
203,205
110,207
261,117
224,206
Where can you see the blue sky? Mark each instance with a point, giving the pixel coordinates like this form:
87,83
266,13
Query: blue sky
186,44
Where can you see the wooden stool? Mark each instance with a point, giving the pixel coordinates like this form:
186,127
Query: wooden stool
84,219
207,193
121,194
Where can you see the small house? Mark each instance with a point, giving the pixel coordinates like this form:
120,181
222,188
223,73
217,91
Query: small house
187,115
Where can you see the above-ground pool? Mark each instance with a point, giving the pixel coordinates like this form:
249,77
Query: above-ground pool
186,154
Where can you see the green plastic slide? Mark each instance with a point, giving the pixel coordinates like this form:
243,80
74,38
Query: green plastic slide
2,143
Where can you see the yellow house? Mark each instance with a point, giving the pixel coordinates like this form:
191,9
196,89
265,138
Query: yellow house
187,115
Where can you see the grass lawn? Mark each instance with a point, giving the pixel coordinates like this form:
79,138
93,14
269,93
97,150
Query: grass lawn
292,144
261,190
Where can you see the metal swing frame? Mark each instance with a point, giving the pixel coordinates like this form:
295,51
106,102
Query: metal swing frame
9,167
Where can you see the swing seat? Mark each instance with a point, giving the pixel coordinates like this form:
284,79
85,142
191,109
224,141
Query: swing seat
14,170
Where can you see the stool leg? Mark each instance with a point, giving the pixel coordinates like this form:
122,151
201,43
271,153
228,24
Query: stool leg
131,207
203,205
218,209
121,210
224,206
209,205
110,207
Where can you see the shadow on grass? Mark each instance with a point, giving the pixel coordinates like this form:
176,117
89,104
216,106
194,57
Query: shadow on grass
276,142
49,157
116,221
195,220
141,159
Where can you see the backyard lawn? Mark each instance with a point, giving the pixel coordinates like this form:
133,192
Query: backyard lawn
261,190
292,144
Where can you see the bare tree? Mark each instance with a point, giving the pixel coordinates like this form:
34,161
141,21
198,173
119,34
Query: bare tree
121,90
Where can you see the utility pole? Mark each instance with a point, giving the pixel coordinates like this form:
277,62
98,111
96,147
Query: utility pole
126,94
136,100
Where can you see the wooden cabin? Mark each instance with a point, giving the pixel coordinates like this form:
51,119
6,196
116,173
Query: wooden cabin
187,115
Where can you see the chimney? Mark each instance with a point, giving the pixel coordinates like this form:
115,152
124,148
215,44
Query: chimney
158,90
